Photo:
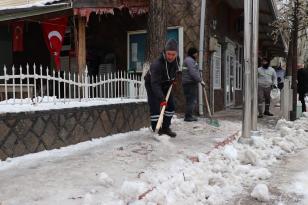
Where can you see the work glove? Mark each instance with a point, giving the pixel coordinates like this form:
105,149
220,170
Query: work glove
163,103
202,83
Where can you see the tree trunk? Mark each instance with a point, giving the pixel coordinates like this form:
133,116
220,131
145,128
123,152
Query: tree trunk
157,29
289,59
294,60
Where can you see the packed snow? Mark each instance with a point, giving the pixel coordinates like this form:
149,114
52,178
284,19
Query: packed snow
134,169
261,193
39,104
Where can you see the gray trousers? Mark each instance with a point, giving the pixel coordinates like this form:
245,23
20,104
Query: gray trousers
264,96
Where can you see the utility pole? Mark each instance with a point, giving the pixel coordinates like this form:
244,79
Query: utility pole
246,127
294,36
255,44
201,54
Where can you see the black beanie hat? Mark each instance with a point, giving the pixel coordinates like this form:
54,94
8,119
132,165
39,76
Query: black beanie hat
171,45
192,51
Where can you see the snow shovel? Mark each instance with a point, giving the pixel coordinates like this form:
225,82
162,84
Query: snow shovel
161,116
212,121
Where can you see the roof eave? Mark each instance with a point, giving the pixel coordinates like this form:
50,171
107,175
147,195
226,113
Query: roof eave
33,11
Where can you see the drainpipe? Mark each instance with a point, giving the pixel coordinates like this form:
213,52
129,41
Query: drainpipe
201,53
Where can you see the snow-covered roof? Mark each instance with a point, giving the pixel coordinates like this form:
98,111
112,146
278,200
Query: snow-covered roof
18,4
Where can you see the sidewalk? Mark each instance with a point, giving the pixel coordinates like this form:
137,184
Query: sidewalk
132,168
74,175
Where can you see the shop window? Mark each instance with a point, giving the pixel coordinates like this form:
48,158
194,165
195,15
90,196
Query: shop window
136,41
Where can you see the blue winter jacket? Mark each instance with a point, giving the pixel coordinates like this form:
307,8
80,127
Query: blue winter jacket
190,72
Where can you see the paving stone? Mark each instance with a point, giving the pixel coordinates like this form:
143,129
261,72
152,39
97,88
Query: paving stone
40,147
39,126
84,117
20,149
98,130
11,122
8,145
22,127
112,115
3,156
70,123
49,135
106,122
63,134
4,131
31,141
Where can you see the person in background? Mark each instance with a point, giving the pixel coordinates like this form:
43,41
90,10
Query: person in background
190,79
267,80
281,74
302,84
158,79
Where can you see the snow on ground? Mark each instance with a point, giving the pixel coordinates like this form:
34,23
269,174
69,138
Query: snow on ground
11,106
134,169
298,176
37,3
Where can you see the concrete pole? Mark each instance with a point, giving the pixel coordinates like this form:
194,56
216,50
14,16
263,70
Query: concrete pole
255,43
246,127
201,54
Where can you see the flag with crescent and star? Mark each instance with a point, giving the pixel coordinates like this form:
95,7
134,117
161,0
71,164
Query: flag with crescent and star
53,31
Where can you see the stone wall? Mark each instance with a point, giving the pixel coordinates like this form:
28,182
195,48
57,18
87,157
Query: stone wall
29,132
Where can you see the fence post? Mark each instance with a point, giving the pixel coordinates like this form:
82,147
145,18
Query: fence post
79,87
5,84
20,83
64,88
96,87
59,86
74,89
54,86
69,86
28,83
42,89
92,85
13,76
86,83
34,71
47,73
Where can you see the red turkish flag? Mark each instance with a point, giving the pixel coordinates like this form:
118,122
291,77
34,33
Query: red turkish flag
53,31
18,36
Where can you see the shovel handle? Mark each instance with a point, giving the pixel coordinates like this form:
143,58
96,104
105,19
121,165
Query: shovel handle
207,102
161,116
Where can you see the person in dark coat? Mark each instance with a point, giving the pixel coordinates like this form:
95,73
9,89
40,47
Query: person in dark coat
302,86
190,79
161,75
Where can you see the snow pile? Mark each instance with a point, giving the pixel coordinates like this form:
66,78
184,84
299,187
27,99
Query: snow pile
300,186
105,180
223,173
46,103
261,193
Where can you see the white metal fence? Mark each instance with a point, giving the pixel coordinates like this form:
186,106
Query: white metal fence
40,86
